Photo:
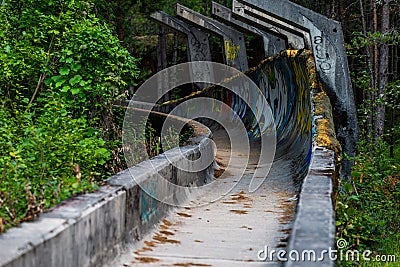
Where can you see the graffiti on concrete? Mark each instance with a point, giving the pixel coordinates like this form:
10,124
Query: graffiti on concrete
326,39
284,82
149,205
231,50
201,50
233,39
272,43
322,57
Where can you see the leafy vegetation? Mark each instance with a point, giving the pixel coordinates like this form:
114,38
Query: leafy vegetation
368,208
368,212
64,63
45,158
62,69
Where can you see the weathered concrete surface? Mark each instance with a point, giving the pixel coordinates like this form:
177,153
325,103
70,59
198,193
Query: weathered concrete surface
295,40
327,44
197,41
80,232
285,82
89,230
272,43
199,48
303,117
230,231
240,8
240,225
234,42
314,229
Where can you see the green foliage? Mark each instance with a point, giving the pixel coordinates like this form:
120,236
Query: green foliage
63,68
37,156
368,211
150,143
360,40
64,49
92,67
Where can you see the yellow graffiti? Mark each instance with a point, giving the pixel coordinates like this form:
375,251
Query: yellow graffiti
231,51
291,53
303,96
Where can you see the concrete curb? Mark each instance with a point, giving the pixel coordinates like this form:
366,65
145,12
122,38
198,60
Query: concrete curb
314,227
91,229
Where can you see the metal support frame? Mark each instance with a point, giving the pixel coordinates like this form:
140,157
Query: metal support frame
234,43
327,44
197,41
273,43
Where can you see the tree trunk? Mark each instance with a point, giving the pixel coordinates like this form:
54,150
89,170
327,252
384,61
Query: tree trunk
395,76
341,15
333,10
383,73
374,74
329,8
367,93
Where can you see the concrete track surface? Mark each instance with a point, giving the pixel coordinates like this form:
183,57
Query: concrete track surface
241,228
230,231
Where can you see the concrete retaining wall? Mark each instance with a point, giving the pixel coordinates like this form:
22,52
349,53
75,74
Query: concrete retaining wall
305,135
314,227
90,229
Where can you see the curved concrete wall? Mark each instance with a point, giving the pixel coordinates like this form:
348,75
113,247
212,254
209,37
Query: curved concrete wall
305,135
286,82
91,229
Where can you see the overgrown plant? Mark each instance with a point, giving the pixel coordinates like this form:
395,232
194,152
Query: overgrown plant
44,159
368,215
62,68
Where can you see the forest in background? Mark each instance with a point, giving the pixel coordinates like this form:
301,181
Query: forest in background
56,96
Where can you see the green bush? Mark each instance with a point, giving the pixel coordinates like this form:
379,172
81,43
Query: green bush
367,212
62,48
62,69
37,159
